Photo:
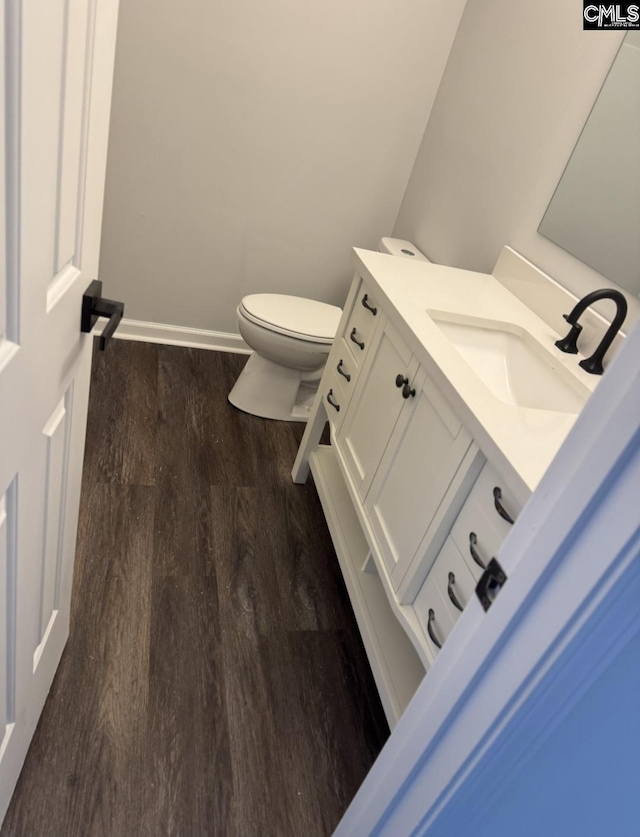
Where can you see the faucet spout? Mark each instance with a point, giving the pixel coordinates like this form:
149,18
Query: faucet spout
569,343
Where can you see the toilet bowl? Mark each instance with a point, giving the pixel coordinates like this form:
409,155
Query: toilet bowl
291,339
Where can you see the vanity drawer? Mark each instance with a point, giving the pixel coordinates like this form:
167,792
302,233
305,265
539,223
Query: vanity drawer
479,529
345,369
474,536
433,615
334,398
364,317
453,579
491,494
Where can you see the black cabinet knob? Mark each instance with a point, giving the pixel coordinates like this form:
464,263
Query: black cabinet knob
401,381
407,391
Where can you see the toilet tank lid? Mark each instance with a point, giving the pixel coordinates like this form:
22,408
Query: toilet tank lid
306,317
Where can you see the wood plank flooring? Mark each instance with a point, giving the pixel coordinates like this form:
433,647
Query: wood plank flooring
214,682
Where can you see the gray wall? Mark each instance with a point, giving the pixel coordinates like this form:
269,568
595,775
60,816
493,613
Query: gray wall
253,144
519,84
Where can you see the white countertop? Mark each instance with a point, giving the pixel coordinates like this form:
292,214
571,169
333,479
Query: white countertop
519,441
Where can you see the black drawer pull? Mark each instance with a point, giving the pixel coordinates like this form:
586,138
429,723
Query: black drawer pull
355,339
434,638
473,540
335,406
497,495
342,372
373,310
401,381
452,595
407,391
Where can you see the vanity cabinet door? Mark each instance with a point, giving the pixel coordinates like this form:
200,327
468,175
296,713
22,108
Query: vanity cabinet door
375,407
427,447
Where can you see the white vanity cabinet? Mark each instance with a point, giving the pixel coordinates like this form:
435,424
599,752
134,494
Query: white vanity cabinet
404,486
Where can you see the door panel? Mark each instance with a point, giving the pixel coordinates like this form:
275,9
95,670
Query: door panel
7,611
3,199
4,557
56,433
8,203
55,102
76,53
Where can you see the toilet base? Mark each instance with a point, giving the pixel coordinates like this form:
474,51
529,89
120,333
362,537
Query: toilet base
268,390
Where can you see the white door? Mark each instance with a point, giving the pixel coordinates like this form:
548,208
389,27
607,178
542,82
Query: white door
57,68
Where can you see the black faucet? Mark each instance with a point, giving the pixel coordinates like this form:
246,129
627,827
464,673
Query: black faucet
569,343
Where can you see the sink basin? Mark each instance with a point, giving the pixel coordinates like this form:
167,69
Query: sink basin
512,364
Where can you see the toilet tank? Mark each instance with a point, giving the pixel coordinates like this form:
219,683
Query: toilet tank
400,247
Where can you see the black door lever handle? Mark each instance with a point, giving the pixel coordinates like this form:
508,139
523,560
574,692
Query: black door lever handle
94,306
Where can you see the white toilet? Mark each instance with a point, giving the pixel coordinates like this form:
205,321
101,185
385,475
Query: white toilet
291,339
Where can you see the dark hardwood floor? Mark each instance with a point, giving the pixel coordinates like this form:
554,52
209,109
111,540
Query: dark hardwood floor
214,682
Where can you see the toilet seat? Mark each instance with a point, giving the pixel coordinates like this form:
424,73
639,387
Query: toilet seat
293,316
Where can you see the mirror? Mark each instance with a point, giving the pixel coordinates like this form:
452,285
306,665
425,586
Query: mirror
595,211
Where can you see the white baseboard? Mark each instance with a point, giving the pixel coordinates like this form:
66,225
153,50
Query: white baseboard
171,335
